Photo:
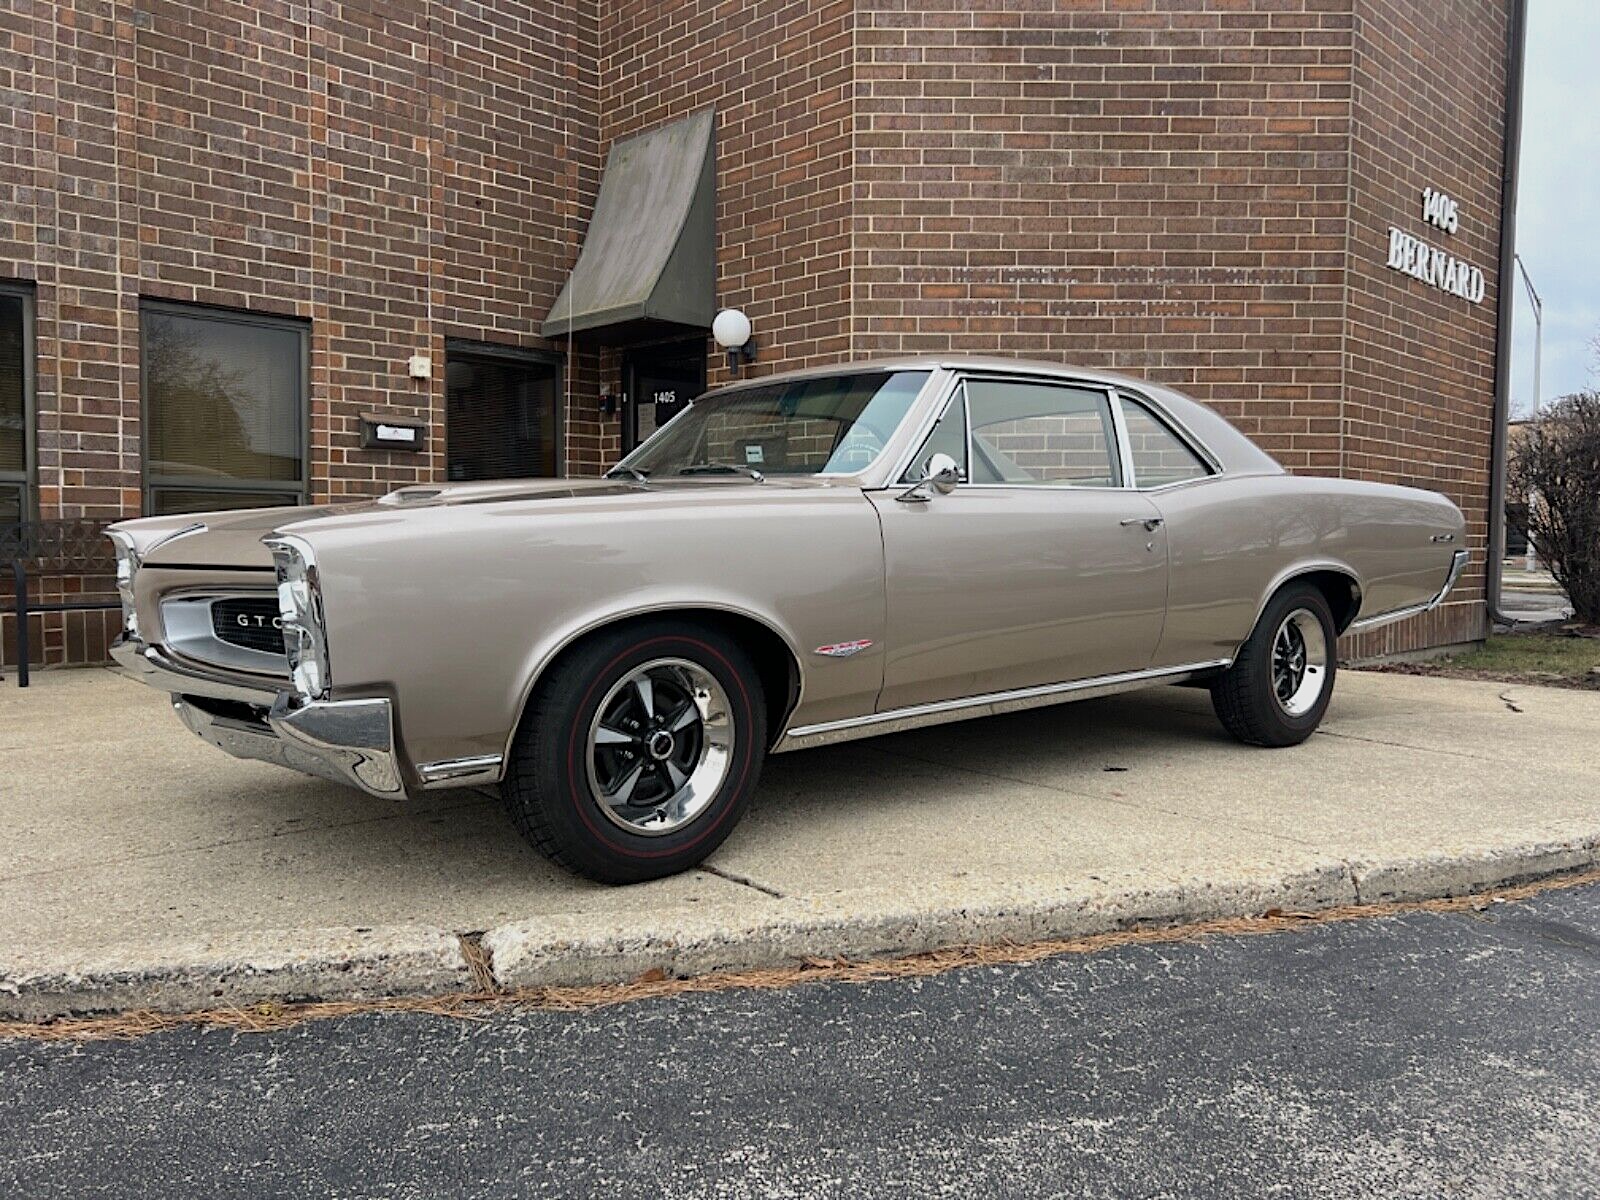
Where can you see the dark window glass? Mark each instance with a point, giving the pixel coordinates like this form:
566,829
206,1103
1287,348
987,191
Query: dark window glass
223,405
1159,455
15,414
1035,433
166,501
500,417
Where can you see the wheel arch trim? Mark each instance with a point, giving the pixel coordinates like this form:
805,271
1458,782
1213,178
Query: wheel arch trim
1301,570
552,648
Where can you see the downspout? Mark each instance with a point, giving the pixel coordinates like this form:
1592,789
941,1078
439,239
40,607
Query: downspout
1505,300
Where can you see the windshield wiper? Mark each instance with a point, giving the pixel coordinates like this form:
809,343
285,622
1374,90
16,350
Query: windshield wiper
621,469
722,468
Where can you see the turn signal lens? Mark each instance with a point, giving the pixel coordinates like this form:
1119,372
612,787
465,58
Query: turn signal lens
300,606
127,566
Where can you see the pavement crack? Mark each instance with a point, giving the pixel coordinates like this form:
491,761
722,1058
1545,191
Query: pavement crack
480,963
1355,880
1356,737
745,880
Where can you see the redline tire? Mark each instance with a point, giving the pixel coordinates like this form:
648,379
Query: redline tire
1248,696
570,747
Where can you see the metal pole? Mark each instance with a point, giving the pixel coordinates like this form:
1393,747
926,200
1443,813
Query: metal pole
1530,558
1538,332
1511,152
20,574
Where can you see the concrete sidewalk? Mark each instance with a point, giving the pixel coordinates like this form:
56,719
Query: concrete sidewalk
139,867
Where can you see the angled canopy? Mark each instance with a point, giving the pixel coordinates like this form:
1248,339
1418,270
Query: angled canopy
650,254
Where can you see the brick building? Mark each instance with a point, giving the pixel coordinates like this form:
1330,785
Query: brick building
229,231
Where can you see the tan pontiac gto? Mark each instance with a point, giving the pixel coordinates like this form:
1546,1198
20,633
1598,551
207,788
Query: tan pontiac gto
791,561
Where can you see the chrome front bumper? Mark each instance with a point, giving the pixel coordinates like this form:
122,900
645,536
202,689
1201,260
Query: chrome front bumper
347,741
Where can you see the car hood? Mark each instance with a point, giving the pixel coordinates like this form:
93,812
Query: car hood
232,540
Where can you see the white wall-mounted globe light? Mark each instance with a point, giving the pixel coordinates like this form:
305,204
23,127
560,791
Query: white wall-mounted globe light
731,329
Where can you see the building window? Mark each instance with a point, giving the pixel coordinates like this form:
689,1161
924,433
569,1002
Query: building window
16,403
502,413
224,409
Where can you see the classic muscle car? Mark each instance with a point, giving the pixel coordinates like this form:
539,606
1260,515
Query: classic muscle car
791,561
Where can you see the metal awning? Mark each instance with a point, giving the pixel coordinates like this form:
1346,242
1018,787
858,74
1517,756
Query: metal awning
649,257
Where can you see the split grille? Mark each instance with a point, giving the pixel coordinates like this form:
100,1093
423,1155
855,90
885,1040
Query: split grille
250,622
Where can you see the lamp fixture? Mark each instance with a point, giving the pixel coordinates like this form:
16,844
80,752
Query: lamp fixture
731,329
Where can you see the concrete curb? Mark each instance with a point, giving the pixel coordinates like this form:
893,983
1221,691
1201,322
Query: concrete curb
576,949
320,964
1429,877
862,925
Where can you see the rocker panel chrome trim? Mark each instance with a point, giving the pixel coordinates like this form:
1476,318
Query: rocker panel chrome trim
460,772
1458,563
804,737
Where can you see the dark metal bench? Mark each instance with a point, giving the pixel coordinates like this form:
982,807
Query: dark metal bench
55,549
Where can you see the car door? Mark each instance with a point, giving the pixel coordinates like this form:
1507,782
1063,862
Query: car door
1040,567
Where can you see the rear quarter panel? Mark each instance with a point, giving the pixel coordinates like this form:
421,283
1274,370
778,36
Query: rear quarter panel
1234,540
454,610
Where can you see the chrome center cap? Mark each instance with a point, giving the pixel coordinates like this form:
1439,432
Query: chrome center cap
661,744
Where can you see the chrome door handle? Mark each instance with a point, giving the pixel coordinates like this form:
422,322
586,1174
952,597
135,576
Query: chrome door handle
1151,524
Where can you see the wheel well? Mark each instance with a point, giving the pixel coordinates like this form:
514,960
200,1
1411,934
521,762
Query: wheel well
1342,591
776,668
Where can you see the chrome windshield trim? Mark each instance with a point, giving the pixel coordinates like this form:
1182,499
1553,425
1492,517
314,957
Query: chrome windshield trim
803,737
1458,564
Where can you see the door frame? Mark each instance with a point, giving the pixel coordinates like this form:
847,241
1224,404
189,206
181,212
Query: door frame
638,358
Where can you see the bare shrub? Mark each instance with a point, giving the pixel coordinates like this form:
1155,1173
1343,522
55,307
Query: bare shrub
1557,468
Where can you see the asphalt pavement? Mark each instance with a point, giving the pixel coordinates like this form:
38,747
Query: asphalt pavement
1424,1055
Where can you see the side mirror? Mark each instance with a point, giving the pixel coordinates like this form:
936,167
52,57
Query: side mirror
940,476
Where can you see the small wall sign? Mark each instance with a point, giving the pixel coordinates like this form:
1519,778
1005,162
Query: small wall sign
383,432
1431,264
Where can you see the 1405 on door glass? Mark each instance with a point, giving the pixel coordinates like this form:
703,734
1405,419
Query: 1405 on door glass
790,561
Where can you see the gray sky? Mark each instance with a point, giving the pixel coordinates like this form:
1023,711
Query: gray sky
1558,199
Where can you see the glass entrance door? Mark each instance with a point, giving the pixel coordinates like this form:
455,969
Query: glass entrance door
659,381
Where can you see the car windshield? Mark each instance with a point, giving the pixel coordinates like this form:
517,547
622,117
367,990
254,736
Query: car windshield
834,423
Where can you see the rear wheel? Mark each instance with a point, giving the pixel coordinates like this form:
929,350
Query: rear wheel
1279,685
639,751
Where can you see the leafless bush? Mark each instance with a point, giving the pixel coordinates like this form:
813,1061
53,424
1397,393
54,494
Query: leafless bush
1557,468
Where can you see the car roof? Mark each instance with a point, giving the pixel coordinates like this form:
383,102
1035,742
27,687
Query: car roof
950,362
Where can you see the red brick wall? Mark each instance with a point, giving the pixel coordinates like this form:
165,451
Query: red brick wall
780,75
1418,397
393,174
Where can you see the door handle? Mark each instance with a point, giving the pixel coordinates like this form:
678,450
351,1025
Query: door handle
1151,524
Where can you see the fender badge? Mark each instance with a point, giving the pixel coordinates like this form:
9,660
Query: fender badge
843,649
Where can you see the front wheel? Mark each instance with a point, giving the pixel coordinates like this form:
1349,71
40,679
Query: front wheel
639,752
1279,685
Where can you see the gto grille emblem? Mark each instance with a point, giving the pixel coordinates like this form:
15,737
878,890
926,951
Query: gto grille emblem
843,649
247,621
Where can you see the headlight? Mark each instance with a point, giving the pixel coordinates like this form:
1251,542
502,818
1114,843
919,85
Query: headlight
127,565
300,606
